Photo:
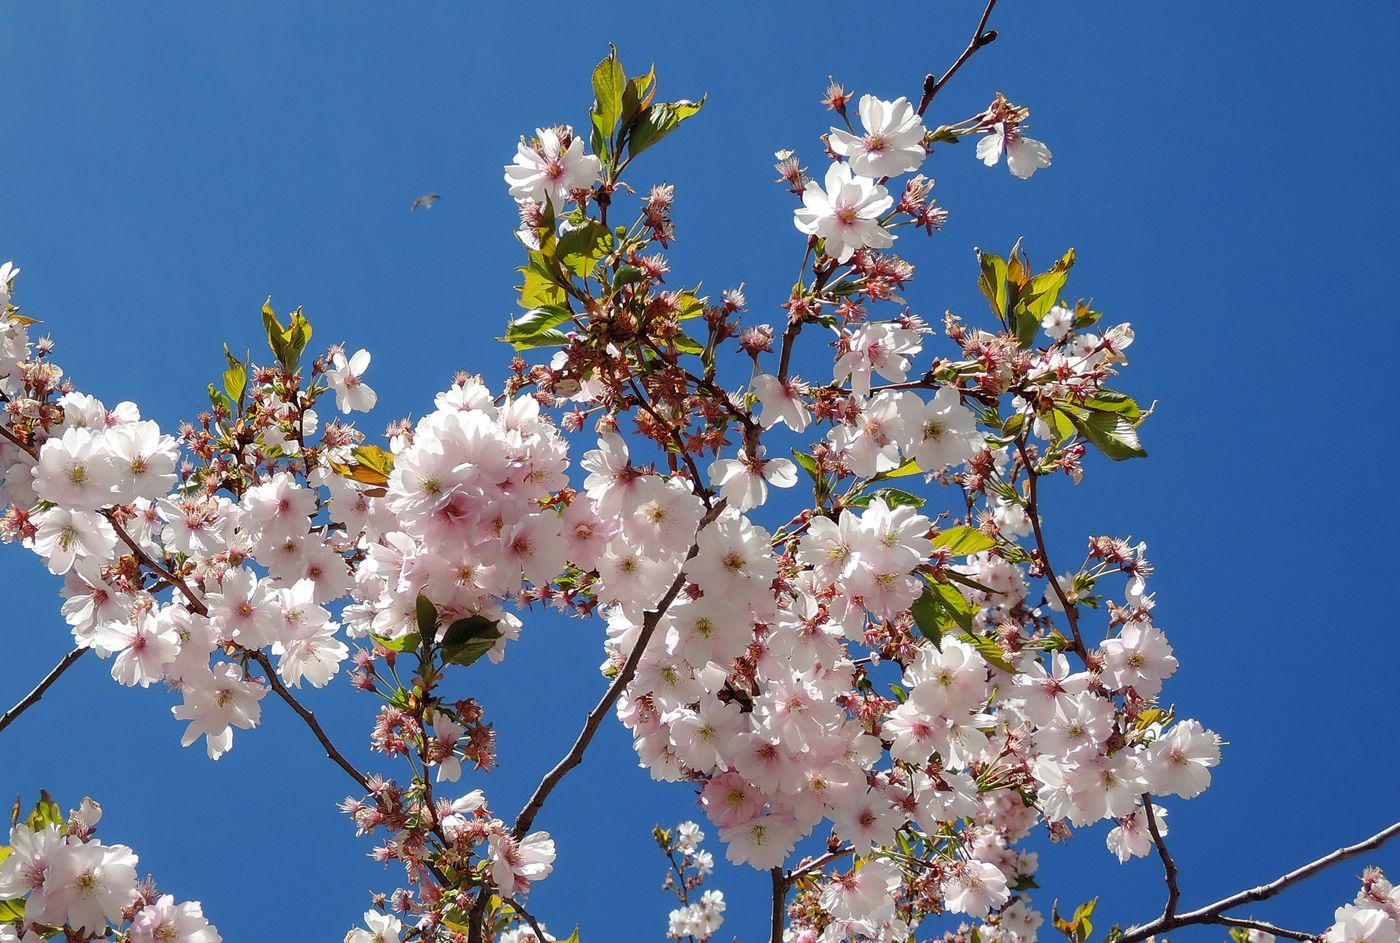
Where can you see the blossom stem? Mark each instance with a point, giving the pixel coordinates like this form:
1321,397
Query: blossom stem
32,698
624,677
1214,913
980,37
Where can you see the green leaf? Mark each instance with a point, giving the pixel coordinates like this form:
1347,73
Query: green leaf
991,652
808,463
899,693
626,275
287,343
659,120
549,338
581,248
1111,433
963,541
46,812
1038,296
541,288
927,613
235,383
910,467
637,95
609,82
897,499
466,640
407,643
535,322
218,400
375,459
427,616
687,344
992,282
1111,401
11,910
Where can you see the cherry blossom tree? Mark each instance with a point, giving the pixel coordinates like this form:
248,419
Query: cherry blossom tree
827,607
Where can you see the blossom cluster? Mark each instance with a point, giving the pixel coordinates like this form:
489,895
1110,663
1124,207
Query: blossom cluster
56,874
1374,916
701,914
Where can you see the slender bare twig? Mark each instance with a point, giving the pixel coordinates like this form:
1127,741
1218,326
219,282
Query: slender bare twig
196,604
30,699
980,37
1212,913
534,925
574,757
332,753
815,866
1168,865
1249,923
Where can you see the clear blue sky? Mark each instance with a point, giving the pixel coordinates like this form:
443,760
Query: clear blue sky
1225,170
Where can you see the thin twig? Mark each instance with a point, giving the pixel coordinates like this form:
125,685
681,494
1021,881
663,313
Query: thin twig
534,925
1168,865
815,866
980,37
1033,512
1251,924
196,604
1212,913
624,677
30,699
332,753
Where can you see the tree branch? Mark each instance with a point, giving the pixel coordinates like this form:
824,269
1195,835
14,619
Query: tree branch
815,866
624,677
980,37
1262,927
1213,913
32,698
331,752
534,925
780,888
1033,512
1168,865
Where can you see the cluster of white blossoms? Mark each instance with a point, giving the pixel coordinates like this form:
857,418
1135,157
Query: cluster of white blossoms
55,874
1373,917
465,517
701,914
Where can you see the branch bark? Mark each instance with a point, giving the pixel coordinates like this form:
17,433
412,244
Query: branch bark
980,37
1215,913
574,757
1168,864
332,753
32,698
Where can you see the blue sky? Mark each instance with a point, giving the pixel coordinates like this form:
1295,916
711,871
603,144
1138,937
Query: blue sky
1225,172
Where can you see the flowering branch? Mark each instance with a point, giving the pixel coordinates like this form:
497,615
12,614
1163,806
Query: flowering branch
779,904
32,698
1033,512
1213,913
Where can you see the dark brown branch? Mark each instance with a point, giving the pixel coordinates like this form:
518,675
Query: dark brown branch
980,37
574,757
1168,865
1033,512
780,888
332,753
1214,913
534,925
30,699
